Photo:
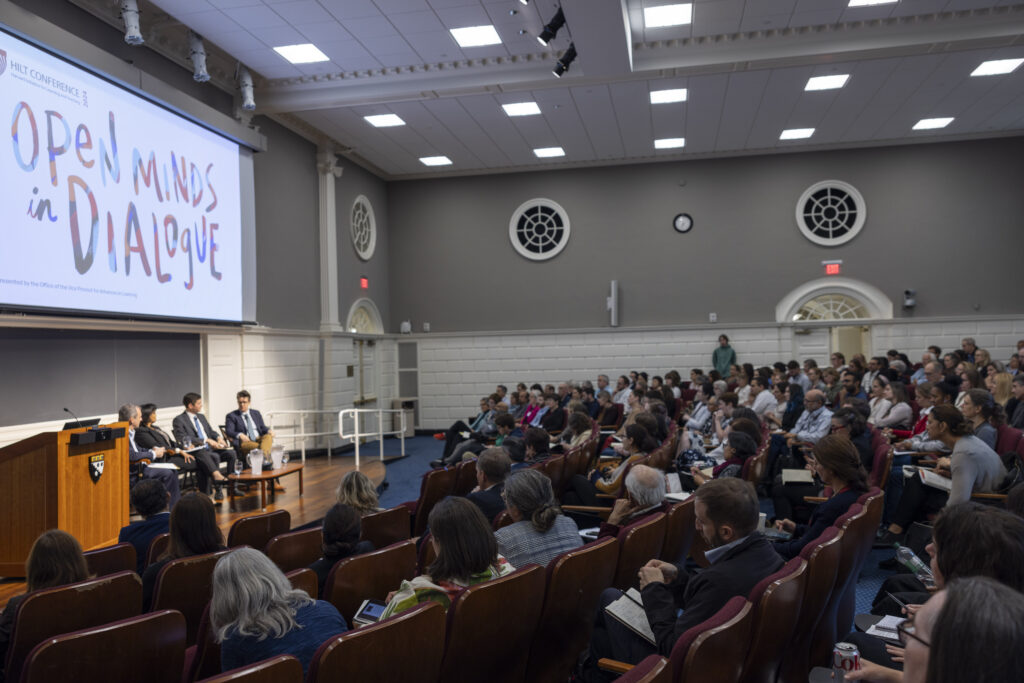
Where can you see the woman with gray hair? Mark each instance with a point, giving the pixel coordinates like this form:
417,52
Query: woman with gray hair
255,613
540,531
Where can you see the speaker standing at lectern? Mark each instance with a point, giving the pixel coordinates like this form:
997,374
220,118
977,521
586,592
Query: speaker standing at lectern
131,414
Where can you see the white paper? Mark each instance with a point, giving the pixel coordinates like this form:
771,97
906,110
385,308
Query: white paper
163,466
886,628
629,610
797,477
678,497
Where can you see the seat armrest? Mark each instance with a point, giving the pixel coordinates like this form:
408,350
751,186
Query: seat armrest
598,510
614,666
815,499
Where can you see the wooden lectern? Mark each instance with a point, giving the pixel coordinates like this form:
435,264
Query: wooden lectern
75,480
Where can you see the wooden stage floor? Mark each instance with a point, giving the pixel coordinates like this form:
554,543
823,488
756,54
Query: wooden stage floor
320,479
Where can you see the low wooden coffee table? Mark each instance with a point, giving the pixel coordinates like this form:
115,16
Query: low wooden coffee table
247,477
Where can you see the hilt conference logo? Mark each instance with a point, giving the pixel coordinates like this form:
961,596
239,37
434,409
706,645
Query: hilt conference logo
3,62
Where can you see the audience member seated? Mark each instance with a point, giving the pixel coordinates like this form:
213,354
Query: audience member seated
899,415
830,378
194,531
851,382
942,393
474,445
1015,406
579,429
467,555
357,490
342,529
537,444
150,499
256,614
518,400
192,428
608,413
973,466
149,436
984,415
923,396
837,464
697,417
55,560
607,478
764,402
492,468
131,414
812,424
726,516
481,426
247,431
738,448
880,405
999,384
534,406
552,419
645,496
727,403
539,532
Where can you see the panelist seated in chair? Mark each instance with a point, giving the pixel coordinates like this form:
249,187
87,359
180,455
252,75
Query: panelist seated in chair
246,431
149,435
192,427
131,414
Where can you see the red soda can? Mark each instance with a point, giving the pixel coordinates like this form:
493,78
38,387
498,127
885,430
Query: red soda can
845,657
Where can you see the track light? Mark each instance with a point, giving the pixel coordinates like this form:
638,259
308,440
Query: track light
197,53
245,85
562,65
130,17
551,29
524,2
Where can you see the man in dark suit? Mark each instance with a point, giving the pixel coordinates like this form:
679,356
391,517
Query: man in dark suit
492,467
247,431
131,414
727,515
192,427
150,499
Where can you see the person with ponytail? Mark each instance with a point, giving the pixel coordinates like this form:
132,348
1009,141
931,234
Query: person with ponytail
972,465
984,414
539,532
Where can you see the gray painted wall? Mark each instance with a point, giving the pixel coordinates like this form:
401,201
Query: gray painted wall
357,181
943,219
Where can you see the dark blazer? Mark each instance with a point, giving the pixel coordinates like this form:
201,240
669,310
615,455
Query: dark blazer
183,426
489,501
153,437
702,594
236,424
553,420
140,534
823,517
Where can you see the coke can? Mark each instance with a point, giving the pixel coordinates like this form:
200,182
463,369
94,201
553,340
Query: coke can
845,657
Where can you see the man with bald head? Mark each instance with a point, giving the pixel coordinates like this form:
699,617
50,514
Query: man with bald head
645,495
814,423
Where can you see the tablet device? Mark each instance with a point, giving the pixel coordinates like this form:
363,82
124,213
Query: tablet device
369,612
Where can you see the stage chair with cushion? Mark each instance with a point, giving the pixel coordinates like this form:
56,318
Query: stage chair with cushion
407,647
280,669
202,659
157,547
296,549
112,559
52,611
776,599
654,669
680,528
150,647
575,580
506,611
256,530
372,575
186,585
435,485
304,580
639,542
386,527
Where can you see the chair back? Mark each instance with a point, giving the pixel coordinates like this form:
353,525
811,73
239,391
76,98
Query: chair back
436,485
150,646
661,457
279,669
296,549
305,579
186,585
713,651
1007,438
425,554
465,477
406,647
877,438
776,599
505,610
680,528
202,660
51,611
653,669
575,580
386,527
826,632
862,529
256,530
157,547
639,542
881,466
502,519
111,560
372,575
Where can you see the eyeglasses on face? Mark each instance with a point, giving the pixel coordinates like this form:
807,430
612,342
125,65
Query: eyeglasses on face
906,631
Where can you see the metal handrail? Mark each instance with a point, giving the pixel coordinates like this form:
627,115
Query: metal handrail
302,434
356,434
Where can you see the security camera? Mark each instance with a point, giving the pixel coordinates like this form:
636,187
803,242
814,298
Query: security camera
130,16
909,298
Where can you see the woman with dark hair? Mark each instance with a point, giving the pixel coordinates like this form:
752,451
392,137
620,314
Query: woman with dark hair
148,436
879,404
698,416
193,530
737,449
607,477
539,532
55,560
837,464
743,389
579,430
973,467
467,555
899,415
342,529
984,414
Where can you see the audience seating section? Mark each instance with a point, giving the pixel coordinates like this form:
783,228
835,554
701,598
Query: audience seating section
680,529
372,575
296,549
256,530
825,633
157,547
638,543
654,669
304,580
465,477
202,660
112,559
186,585
280,669
777,600
436,485
386,527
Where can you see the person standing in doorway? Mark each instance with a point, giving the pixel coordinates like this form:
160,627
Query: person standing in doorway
724,356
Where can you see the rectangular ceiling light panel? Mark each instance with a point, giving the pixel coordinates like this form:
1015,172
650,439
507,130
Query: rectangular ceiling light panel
435,161
827,82
669,143
521,108
547,152
931,124
307,53
668,15
384,120
476,36
667,96
997,67
796,133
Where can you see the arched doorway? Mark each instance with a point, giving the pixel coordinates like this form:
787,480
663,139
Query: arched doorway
364,319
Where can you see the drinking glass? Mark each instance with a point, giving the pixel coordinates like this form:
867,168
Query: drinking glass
239,466
284,458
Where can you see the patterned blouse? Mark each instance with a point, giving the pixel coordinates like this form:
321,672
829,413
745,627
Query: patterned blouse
422,588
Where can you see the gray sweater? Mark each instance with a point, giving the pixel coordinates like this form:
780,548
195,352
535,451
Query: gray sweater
976,468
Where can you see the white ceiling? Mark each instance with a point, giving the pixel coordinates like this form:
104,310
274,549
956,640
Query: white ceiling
744,62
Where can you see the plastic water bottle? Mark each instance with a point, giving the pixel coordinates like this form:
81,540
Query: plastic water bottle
908,559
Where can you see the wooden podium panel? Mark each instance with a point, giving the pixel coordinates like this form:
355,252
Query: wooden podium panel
45,483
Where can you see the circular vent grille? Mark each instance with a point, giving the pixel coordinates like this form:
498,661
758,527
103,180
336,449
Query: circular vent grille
539,229
830,213
364,228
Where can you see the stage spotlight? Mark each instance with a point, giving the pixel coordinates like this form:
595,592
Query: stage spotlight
552,27
562,65
245,85
130,17
197,53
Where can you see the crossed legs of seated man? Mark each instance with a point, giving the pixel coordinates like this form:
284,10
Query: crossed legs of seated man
208,468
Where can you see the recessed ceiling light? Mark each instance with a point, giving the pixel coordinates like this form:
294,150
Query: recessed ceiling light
796,133
475,36
929,124
435,161
666,96
306,53
868,3
827,82
996,67
668,15
545,152
384,120
669,143
521,108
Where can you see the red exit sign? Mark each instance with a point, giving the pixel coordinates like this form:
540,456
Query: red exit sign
364,283
832,267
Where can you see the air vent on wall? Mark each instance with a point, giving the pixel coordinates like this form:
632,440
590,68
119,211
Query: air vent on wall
364,228
539,229
830,213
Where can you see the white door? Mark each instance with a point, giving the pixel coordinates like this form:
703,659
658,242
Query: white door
811,342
